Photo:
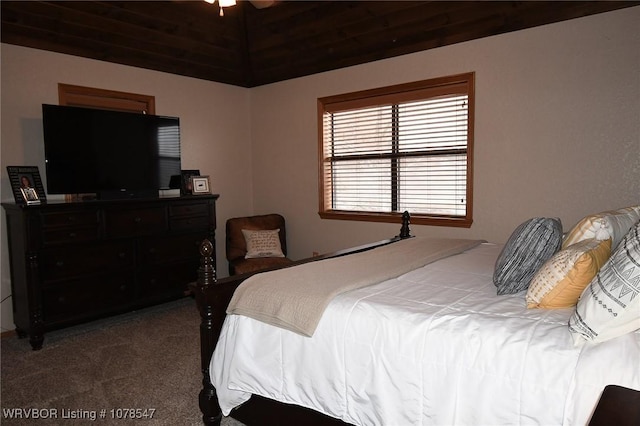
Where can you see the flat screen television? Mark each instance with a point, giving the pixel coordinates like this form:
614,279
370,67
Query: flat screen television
112,154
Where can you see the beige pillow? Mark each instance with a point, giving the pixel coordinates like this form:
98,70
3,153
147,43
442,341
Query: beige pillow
561,280
612,224
262,243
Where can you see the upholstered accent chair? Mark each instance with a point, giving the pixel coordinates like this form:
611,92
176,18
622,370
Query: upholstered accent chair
255,243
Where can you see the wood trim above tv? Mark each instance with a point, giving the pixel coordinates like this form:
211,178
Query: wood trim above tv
71,95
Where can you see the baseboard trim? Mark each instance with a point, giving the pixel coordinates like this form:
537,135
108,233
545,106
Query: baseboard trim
8,334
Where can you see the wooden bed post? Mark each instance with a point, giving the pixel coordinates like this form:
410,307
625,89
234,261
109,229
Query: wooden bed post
209,333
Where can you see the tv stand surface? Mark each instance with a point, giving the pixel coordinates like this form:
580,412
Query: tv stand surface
75,262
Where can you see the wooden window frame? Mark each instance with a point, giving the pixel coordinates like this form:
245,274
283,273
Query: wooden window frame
386,95
90,97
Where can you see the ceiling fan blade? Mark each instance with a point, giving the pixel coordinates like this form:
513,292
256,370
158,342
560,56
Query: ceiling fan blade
263,4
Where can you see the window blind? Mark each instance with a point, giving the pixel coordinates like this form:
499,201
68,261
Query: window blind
168,151
398,151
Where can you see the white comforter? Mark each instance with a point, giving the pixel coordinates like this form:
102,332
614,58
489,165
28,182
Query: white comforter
433,346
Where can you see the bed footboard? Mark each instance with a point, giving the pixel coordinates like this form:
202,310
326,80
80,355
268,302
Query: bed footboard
213,297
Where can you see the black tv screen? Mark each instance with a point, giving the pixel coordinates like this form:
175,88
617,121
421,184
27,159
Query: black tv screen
113,154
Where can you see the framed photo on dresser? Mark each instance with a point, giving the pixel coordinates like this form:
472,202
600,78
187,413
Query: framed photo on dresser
186,186
26,185
200,185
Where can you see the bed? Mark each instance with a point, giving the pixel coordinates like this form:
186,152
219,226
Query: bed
433,344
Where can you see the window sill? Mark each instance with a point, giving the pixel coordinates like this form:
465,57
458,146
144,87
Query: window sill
416,219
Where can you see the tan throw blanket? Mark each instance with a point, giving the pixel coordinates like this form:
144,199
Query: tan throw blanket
295,298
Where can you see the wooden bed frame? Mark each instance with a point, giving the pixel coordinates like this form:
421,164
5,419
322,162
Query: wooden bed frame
212,298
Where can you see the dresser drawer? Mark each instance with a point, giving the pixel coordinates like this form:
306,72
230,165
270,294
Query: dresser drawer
70,226
126,223
70,234
193,209
77,260
189,223
71,218
88,297
168,249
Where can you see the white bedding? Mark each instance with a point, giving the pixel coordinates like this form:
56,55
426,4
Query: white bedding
433,346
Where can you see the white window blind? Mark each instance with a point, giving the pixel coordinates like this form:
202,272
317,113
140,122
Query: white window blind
168,136
399,150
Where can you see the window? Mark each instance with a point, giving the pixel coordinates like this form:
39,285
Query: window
405,147
168,138
90,97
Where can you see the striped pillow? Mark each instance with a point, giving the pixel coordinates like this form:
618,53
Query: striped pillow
610,305
531,244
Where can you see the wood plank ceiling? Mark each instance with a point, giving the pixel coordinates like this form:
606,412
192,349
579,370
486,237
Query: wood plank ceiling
251,46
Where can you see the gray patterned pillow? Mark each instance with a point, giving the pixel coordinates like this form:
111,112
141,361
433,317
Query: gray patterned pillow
531,244
610,305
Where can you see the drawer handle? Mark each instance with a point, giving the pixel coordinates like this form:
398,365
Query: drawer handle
59,263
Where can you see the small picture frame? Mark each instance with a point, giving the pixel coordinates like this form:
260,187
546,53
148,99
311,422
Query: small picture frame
185,187
26,185
200,185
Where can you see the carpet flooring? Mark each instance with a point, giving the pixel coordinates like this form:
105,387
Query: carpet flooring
146,360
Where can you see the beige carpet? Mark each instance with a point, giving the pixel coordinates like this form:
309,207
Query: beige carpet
147,360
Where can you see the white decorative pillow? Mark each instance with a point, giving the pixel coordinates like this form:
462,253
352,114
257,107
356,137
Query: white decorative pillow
262,243
561,280
612,224
610,305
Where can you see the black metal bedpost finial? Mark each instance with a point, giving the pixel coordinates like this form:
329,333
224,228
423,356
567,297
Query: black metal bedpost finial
206,272
405,232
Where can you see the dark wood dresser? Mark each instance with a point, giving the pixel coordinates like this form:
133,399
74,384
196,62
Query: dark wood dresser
75,262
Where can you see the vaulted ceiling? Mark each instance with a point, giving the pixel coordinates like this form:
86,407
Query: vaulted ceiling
253,45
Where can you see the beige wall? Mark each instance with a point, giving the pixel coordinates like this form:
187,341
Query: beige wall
557,129
215,136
